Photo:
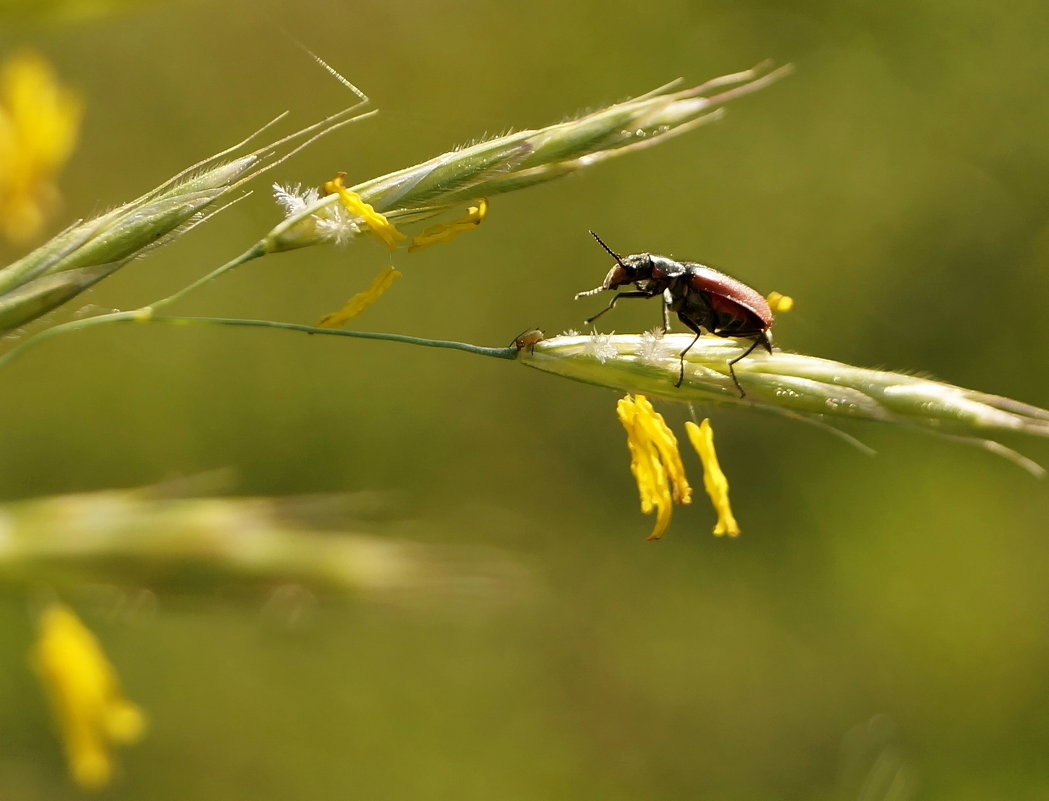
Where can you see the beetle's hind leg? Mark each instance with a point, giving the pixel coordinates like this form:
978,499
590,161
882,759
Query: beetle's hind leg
761,339
765,340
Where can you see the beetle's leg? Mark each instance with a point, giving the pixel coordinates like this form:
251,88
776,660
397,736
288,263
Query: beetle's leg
635,294
695,328
762,339
666,317
766,341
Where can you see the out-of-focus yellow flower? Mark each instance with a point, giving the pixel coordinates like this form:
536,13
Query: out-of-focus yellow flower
379,225
362,300
654,460
39,122
445,232
778,302
714,480
84,692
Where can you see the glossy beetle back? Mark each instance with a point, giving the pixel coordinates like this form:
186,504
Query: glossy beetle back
729,295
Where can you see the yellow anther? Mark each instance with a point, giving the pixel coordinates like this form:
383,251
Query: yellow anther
376,222
778,302
654,460
445,232
362,300
714,481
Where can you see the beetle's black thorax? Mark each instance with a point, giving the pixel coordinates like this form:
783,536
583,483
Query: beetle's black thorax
651,273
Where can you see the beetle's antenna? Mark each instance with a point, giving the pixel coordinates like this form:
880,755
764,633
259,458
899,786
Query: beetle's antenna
612,253
590,292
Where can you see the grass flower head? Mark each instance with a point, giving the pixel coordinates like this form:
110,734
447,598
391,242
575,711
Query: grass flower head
90,251
787,383
514,161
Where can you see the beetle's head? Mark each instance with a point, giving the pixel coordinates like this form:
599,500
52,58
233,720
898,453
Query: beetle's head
626,270
629,270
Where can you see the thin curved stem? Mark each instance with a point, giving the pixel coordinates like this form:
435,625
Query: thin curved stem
66,328
509,352
254,252
145,315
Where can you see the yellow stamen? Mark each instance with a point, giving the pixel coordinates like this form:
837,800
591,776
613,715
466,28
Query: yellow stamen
379,225
85,696
39,122
654,460
362,300
445,232
702,439
778,302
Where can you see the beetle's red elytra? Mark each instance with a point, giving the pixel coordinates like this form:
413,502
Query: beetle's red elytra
703,298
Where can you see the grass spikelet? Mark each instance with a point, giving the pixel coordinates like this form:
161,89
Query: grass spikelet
786,383
89,251
252,544
518,160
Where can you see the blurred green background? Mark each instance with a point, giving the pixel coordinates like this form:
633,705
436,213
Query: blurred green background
881,627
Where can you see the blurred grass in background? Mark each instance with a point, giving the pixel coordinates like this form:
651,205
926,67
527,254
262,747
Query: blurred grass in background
895,186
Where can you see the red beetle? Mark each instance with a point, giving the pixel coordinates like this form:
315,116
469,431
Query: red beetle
702,297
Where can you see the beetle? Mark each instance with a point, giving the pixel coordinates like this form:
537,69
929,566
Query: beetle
702,297
528,339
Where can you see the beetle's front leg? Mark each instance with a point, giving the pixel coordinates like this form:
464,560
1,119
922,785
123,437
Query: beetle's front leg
634,294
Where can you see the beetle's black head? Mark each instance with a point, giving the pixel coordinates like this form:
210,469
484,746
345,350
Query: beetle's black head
627,269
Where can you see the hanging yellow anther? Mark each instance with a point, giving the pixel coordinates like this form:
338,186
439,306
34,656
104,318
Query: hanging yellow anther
654,460
362,300
714,481
445,232
376,222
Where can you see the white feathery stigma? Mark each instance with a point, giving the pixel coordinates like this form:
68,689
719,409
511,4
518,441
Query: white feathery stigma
331,221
